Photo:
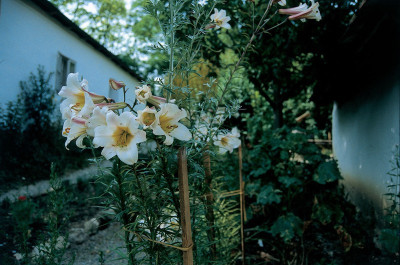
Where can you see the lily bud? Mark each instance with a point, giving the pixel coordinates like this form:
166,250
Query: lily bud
210,26
114,84
156,101
113,106
95,97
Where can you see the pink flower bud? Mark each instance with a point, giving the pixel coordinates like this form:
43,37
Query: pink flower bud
116,84
210,26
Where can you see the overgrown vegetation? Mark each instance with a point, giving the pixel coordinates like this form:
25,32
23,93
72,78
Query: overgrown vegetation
296,206
30,137
297,211
35,230
390,234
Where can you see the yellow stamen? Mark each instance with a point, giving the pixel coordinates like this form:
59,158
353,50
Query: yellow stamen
148,118
219,22
165,123
224,141
66,131
142,93
122,136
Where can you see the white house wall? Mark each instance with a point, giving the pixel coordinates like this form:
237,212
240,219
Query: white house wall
365,135
29,37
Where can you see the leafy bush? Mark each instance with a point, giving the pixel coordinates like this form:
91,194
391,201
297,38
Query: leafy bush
295,200
30,137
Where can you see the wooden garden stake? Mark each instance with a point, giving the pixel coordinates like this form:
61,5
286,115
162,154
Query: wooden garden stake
210,217
241,194
187,242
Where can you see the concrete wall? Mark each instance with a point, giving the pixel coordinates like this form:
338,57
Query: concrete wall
29,37
365,134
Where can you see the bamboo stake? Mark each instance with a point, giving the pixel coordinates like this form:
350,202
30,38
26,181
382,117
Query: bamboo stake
185,207
210,217
241,200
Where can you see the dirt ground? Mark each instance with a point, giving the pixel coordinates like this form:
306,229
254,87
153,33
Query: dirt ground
107,241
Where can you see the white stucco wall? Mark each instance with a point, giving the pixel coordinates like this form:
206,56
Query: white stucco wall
29,37
365,134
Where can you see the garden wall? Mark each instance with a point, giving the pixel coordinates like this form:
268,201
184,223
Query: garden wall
365,134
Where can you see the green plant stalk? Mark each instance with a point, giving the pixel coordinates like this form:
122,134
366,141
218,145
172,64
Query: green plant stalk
95,158
171,48
125,217
169,181
261,23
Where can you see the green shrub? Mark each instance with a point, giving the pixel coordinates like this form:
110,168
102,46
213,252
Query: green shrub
295,199
30,134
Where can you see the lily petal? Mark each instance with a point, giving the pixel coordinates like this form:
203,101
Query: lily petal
128,155
181,133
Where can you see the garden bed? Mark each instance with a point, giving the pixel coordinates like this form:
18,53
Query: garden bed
106,246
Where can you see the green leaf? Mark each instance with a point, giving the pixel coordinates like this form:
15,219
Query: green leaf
268,195
289,181
322,213
259,171
327,172
287,227
253,188
390,240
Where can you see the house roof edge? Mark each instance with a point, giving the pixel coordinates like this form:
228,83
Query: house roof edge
55,13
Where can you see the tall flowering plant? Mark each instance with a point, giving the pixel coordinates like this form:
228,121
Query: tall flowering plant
142,137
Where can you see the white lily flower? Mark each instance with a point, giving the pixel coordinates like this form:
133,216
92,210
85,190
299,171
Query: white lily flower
66,111
74,92
202,2
228,142
76,125
120,137
147,117
201,130
98,118
220,19
77,131
220,115
143,93
303,12
280,2
235,132
67,115
201,126
88,108
167,123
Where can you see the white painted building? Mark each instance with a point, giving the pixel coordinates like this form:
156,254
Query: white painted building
365,136
35,32
365,83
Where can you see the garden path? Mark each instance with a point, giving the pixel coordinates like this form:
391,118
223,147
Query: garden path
43,186
108,241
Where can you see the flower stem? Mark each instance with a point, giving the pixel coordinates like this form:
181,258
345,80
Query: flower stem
171,49
125,217
237,65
